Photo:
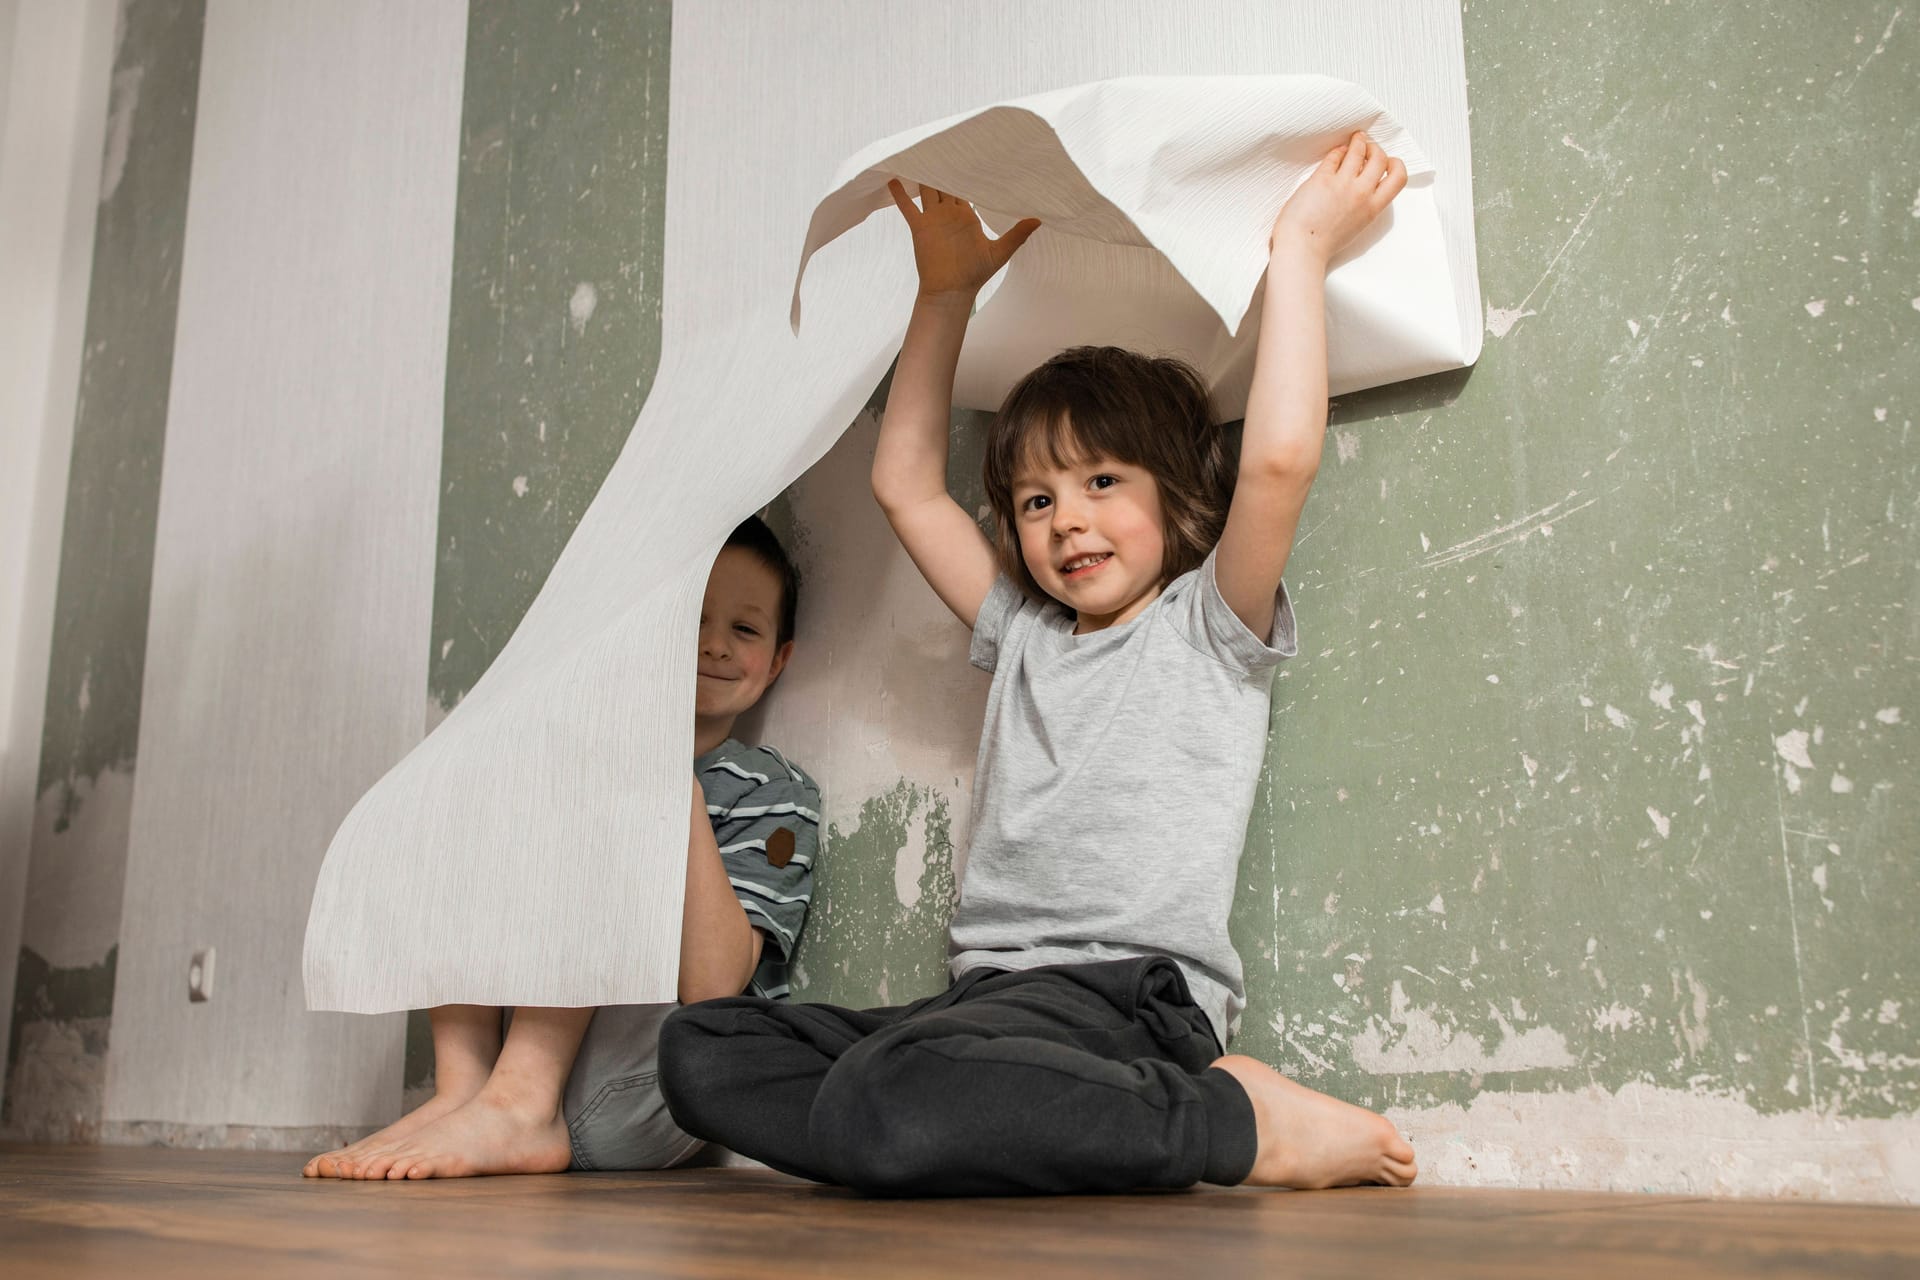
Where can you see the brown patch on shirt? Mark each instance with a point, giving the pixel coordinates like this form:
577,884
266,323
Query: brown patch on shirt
780,847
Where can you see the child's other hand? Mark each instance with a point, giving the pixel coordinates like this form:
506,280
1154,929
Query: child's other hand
950,247
1354,182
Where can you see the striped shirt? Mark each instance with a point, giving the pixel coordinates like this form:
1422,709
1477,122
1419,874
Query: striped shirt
766,820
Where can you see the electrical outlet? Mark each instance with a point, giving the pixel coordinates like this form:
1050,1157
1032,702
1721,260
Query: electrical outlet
200,976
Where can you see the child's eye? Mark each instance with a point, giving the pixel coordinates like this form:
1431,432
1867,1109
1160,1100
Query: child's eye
1105,482
746,630
1038,502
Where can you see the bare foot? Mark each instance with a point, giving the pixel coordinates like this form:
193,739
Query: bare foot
493,1133
341,1162
1309,1140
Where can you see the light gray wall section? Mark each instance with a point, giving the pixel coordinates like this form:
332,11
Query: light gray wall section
55,59
292,581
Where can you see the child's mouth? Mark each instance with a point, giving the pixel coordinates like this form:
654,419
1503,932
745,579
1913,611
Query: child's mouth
1080,566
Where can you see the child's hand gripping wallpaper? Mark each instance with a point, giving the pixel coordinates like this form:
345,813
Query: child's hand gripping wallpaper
1132,613
540,1090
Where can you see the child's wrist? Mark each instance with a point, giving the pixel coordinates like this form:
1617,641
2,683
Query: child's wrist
957,300
1291,244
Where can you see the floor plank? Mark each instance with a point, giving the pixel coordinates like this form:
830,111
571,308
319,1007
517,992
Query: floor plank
74,1211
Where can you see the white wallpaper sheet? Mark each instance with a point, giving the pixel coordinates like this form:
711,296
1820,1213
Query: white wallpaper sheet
532,850
293,567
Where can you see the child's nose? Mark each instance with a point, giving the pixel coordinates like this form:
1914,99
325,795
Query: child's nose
1067,518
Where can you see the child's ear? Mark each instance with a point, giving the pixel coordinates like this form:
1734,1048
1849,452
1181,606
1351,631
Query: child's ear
780,657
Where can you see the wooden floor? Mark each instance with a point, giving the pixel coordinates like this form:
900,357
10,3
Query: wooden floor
124,1211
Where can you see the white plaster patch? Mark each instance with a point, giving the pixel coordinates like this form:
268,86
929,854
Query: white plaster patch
1817,307
125,99
1694,709
1889,1013
1500,320
1661,823
1412,1041
1347,445
1841,784
1887,715
1616,717
1662,1141
519,486
911,862
581,306
1792,747
1661,696
879,688
1616,1017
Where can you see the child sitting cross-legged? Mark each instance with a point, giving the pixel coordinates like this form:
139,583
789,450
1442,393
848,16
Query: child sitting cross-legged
541,1090
1132,615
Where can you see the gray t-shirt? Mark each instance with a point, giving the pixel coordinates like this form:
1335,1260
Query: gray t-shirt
1115,778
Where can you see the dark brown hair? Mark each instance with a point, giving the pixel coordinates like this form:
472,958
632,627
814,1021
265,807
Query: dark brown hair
753,536
1107,402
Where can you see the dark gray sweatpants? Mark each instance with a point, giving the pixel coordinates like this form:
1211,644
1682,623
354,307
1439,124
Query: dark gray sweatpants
1070,1078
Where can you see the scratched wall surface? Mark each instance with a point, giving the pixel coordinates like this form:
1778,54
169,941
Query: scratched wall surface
63,994
1588,837
1599,764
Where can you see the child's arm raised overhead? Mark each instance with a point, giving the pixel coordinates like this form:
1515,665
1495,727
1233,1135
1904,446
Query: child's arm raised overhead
1287,406
954,258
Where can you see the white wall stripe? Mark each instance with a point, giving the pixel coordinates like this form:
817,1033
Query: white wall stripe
293,571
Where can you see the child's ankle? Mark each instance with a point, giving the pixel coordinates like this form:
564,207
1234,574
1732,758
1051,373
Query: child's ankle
522,1095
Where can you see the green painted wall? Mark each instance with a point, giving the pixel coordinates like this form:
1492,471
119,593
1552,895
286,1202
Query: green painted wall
1532,817
554,332
555,321
64,989
1573,626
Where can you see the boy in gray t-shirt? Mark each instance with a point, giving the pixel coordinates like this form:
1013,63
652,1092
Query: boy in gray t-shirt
1131,611
1116,749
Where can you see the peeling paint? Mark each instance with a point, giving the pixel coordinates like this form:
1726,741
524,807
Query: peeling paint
1668,1141
1410,1040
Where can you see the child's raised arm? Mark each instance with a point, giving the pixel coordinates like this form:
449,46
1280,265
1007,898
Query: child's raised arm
1287,406
954,258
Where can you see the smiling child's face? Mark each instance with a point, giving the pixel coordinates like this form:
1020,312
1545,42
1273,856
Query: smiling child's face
739,624
1092,537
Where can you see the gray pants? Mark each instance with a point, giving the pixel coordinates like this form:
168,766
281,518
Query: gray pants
616,1116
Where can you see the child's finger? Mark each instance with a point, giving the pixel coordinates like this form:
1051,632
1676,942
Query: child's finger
1357,148
1017,234
1391,183
902,199
1374,169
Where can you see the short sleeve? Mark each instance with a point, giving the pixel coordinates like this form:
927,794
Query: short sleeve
997,613
768,839
1210,625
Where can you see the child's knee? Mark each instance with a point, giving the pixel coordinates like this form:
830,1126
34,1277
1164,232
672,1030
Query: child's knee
874,1125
